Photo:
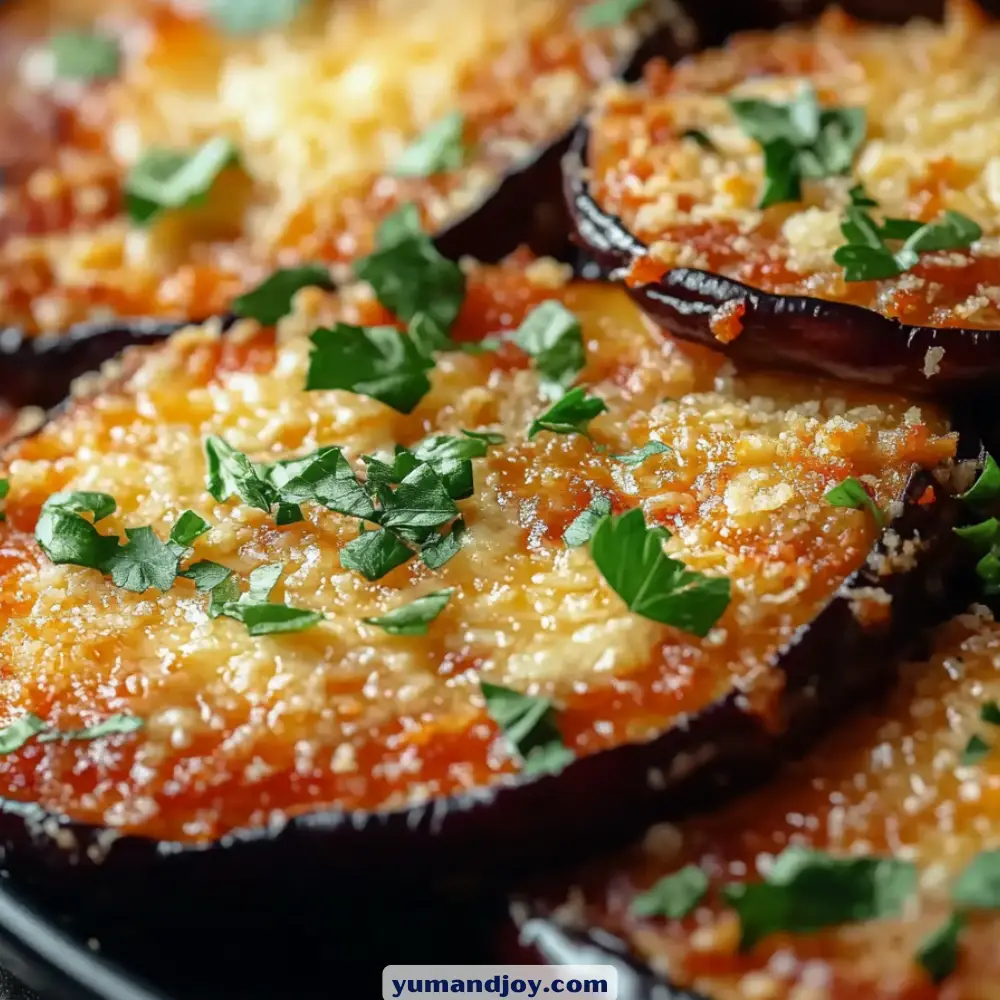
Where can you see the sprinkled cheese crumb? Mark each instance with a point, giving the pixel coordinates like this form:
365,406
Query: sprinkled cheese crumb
932,361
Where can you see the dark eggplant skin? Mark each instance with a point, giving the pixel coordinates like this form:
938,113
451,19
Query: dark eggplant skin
797,332
488,836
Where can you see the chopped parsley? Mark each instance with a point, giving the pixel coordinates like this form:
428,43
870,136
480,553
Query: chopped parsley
978,887
376,361
249,17
254,609
231,473
860,197
631,559
438,149
4,490
166,179
272,298
800,140
144,562
581,529
206,575
640,455
420,501
85,56
608,13
808,890
529,725
989,712
413,618
674,896
23,730
375,553
189,527
68,538
867,255
852,493
938,952
975,750
19,732
553,337
569,415
440,548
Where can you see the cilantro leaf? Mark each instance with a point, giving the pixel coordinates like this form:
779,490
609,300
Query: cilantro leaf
808,890
439,550
85,56
144,562
114,725
640,455
413,618
553,337
975,750
231,473
529,725
852,493
248,17
978,887
376,361
165,179
207,575
67,538
19,732
631,559
440,148
189,527
375,553
938,952
272,298
674,896
569,415
986,489
608,13
581,529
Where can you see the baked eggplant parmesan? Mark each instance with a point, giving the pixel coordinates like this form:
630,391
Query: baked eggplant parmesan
160,158
824,197
869,869
528,553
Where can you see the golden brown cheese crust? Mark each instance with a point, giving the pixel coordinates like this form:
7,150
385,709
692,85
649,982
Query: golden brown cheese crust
320,111
932,144
241,729
890,783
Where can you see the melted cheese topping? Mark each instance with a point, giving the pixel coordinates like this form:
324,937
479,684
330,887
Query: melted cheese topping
240,728
890,783
320,112
932,98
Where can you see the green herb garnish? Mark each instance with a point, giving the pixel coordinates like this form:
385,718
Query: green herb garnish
581,529
978,887
800,140
23,730
700,137
144,561
674,896
249,17
808,890
420,501
413,618
436,552
68,538
19,732
189,527
975,750
852,493
272,298
375,553
640,455
206,575
569,415
989,712
553,337
631,559
4,490
85,56
860,197
529,725
438,149
938,952
256,612
167,179
608,13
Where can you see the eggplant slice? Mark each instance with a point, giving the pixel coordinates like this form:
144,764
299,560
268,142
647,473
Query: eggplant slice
319,111
913,779
672,208
356,749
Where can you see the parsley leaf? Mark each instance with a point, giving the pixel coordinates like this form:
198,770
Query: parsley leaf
608,13
439,550
569,415
165,178
144,562
324,477
800,140
259,616
376,361
19,732
808,890
207,575
640,455
248,17
631,559
420,501
114,725
85,56
978,887
529,725
860,197
990,712
986,489
413,618
410,276
4,490
852,493
272,298
938,952
67,538
189,527
975,750
553,337
440,148
399,226
674,896
231,473
489,437
580,530
375,553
